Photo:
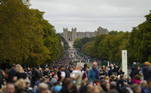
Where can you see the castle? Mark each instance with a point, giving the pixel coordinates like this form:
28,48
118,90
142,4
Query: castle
73,34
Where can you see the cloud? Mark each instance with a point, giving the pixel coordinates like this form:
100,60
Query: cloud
87,15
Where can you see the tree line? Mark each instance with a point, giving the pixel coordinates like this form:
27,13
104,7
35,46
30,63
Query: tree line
108,47
25,36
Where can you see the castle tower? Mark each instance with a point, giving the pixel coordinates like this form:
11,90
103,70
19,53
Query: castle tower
65,33
74,33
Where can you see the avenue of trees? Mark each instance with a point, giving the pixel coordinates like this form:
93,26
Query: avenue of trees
79,43
108,47
25,36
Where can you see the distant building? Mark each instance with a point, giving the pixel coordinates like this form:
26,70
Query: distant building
73,34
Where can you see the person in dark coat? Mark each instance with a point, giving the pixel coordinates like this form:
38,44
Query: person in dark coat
11,74
146,71
135,71
36,75
20,73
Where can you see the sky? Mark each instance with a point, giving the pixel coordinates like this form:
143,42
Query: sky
88,15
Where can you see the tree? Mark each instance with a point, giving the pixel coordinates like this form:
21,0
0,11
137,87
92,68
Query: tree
78,43
107,47
25,36
140,41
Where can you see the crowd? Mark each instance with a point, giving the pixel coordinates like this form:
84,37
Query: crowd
75,79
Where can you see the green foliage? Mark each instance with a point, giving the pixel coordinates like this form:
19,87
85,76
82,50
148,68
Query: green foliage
88,48
25,37
108,47
78,44
65,43
140,41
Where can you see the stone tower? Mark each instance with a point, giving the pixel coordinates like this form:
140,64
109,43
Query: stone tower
65,33
74,33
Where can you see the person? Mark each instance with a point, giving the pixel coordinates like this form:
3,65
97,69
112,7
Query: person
93,74
103,71
12,74
36,75
68,86
20,86
85,70
135,70
20,73
121,83
146,70
113,87
67,72
96,89
43,88
136,88
136,80
120,72
146,86
10,88
77,76
57,87
61,74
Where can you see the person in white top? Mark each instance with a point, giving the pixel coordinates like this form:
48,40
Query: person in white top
77,76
